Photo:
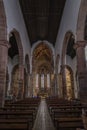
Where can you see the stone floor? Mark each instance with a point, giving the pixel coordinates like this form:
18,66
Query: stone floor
43,119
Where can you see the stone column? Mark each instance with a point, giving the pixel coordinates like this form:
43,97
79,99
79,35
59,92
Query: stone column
45,82
3,65
39,82
53,84
56,84
81,69
7,81
31,85
64,92
21,82
50,84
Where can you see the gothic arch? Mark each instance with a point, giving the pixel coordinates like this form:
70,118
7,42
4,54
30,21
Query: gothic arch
81,20
64,48
39,42
66,41
21,65
19,44
42,68
42,49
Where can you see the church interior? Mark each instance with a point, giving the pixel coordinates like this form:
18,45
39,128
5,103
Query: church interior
43,64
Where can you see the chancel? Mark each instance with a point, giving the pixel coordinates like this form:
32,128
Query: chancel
43,64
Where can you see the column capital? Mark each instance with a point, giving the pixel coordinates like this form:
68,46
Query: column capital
80,44
5,43
63,66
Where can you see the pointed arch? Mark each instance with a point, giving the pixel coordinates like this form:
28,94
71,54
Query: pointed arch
42,65
68,35
43,54
19,44
21,63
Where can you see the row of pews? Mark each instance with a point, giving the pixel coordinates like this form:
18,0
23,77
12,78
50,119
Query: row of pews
67,114
19,115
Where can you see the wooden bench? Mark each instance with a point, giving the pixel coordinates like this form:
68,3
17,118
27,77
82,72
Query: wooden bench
20,109
84,118
28,104
68,123
19,115
68,119
66,115
14,124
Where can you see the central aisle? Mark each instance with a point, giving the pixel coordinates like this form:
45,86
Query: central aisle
43,119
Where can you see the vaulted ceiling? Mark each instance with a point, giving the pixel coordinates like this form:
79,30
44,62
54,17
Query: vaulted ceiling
42,18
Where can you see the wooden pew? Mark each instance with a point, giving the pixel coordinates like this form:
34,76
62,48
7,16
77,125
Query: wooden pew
24,101
14,124
68,119
18,115
66,115
23,106
69,123
23,111
84,118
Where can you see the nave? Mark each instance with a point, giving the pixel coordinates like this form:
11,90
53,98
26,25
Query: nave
43,119
51,113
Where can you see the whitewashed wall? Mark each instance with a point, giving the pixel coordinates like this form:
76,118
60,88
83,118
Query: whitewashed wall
68,23
15,20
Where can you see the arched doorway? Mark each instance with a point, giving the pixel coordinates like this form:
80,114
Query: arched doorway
43,70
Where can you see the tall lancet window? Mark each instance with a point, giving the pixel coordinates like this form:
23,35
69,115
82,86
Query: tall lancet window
48,80
37,76
42,81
